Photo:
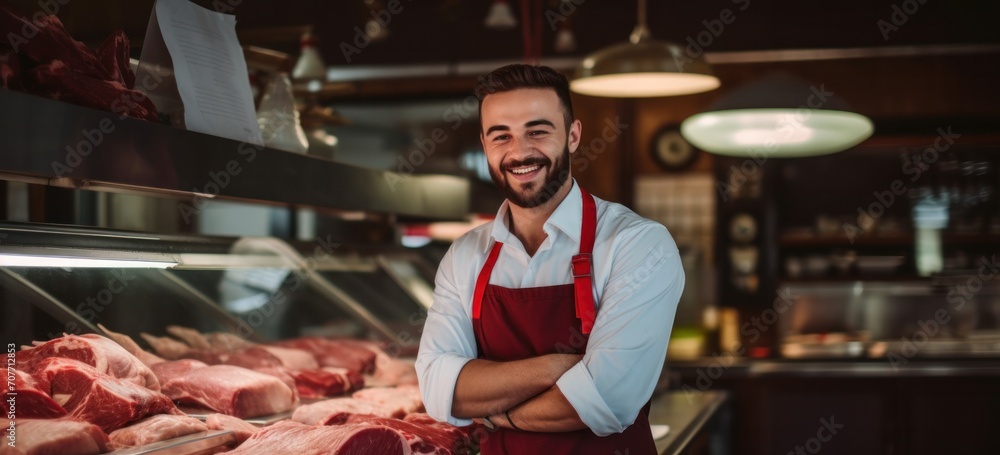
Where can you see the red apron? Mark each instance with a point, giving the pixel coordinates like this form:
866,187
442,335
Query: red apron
515,324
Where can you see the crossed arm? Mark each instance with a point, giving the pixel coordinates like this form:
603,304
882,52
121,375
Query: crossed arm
524,389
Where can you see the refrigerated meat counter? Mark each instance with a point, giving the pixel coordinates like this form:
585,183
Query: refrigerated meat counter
268,296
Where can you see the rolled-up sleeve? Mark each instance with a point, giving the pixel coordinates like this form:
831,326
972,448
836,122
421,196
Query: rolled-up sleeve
446,345
628,344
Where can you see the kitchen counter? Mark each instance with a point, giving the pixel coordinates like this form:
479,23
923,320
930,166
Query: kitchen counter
687,414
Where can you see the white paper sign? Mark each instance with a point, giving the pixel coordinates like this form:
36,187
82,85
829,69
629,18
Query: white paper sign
210,70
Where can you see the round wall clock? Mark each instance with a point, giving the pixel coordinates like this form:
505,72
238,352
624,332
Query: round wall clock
671,151
742,228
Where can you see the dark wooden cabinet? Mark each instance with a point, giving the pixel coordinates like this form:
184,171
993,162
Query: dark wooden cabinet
929,412
950,416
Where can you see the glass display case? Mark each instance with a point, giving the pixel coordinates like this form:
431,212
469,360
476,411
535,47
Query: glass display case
60,279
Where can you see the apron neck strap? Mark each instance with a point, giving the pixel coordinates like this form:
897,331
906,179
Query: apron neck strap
582,267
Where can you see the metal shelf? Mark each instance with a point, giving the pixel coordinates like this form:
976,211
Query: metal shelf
39,137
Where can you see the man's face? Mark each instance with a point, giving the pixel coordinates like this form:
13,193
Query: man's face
527,145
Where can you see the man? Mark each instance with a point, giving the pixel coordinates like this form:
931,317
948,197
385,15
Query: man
550,324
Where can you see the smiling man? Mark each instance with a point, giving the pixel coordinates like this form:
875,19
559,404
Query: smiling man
550,324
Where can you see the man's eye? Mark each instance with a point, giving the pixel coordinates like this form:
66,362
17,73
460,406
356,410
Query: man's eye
538,133
502,137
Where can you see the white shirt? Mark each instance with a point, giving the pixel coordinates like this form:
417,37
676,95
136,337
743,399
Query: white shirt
638,281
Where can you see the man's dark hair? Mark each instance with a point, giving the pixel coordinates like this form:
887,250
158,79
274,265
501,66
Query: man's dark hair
518,76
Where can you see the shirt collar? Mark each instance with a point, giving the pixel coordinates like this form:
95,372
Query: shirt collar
567,217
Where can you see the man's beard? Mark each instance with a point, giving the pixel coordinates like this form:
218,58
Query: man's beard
533,194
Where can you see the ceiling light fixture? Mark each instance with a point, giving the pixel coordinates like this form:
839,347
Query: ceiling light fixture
500,16
31,256
642,68
778,116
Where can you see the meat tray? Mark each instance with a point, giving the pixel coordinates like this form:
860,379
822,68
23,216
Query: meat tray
261,421
199,443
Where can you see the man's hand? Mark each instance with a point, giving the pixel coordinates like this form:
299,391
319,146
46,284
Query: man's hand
488,388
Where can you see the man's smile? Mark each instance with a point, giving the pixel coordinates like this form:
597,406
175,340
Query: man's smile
525,169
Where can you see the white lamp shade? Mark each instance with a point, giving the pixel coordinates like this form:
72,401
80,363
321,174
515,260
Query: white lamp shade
500,16
644,85
644,69
776,132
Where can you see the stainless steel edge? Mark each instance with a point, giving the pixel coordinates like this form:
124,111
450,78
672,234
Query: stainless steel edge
680,436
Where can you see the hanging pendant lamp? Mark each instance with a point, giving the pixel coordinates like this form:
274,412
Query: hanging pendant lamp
500,16
777,116
642,68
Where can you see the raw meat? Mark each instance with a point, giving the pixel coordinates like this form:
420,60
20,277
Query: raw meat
170,369
293,438
403,400
10,70
425,438
241,352
295,367
392,372
231,390
281,374
114,56
327,382
64,436
240,428
254,357
132,347
227,341
59,67
293,358
336,411
350,354
251,357
106,356
155,429
97,398
170,349
33,400
192,337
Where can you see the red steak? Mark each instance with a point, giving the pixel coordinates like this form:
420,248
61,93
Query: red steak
351,354
33,400
425,438
105,401
328,382
106,356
